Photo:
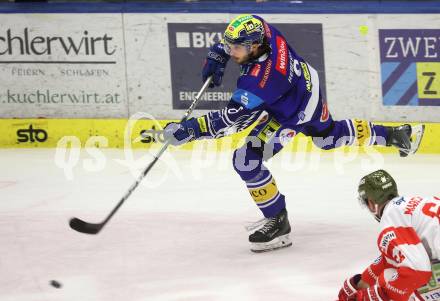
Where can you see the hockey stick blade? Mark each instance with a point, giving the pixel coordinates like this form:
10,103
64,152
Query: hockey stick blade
84,227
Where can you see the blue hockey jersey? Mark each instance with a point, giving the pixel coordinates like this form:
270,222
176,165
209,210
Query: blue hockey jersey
280,83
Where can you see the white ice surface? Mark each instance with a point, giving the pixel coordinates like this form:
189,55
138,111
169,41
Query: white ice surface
182,237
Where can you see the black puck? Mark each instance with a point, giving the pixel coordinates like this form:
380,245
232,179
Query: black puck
55,284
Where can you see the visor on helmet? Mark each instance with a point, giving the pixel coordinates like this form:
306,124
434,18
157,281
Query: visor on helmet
232,47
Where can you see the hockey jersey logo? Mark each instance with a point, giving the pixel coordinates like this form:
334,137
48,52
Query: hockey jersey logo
398,255
412,204
281,65
307,76
255,70
263,81
286,135
246,99
399,201
386,239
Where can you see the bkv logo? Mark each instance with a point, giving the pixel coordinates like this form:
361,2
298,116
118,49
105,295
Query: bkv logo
31,135
197,39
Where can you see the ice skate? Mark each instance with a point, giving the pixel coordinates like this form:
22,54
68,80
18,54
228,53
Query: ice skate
406,138
273,234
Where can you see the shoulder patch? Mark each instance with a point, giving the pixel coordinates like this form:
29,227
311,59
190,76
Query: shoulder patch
246,99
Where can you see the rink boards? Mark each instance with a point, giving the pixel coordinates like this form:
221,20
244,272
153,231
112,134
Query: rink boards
141,133
65,64
84,70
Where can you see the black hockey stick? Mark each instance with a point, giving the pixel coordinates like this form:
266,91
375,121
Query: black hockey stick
94,228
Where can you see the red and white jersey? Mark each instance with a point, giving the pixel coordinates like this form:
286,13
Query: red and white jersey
409,240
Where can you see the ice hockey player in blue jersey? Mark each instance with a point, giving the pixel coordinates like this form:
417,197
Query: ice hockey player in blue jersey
281,90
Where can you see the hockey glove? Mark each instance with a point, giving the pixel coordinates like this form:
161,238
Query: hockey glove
181,133
374,293
349,288
215,64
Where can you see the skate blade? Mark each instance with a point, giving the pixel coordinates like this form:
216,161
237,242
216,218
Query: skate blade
283,241
417,132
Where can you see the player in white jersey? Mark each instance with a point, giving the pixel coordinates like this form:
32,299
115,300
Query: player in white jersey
409,243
